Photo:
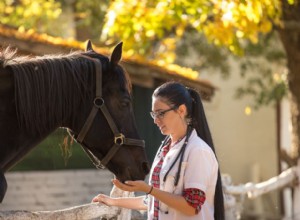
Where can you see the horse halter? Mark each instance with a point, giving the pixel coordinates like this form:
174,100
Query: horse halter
119,138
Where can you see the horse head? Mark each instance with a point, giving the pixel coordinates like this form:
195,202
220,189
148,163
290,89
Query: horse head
107,129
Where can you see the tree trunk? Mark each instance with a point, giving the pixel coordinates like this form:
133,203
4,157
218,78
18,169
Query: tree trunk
290,37
291,41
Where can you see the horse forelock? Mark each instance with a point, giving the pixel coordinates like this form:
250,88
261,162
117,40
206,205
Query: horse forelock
49,88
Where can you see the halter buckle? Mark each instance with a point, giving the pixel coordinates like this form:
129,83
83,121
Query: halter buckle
119,139
98,102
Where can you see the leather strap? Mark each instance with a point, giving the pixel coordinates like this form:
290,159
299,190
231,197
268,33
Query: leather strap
87,124
119,138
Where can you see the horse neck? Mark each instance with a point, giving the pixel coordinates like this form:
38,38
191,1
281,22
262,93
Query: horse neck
16,141
17,147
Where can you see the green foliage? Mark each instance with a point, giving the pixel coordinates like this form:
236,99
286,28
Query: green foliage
52,154
28,14
50,16
89,15
264,69
226,23
159,29
194,50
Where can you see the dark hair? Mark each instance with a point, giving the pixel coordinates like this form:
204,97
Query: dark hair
176,94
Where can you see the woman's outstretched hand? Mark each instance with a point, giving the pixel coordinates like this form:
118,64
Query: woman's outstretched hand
104,199
132,186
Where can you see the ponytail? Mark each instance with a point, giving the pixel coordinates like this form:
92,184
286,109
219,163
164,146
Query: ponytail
199,122
176,94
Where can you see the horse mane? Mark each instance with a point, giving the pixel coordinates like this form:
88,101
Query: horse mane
68,78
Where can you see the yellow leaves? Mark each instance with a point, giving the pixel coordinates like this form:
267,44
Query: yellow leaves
180,30
39,7
166,51
29,13
266,26
144,23
240,34
237,20
203,18
176,69
150,33
137,22
9,9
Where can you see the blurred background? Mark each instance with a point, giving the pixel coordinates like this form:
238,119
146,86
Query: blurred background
242,56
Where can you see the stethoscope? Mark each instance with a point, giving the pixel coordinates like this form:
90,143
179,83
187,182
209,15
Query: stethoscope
179,155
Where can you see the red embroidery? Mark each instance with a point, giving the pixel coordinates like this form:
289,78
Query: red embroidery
155,178
195,197
155,175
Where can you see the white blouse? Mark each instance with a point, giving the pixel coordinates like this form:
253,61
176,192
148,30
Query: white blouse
199,169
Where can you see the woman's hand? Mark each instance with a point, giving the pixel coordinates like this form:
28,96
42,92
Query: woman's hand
132,186
104,199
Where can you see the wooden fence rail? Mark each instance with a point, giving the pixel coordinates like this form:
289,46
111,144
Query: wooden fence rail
253,190
82,212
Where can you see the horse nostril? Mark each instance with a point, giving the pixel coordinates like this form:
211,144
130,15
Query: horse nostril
146,167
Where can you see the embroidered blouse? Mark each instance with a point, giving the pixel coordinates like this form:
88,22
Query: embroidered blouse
194,197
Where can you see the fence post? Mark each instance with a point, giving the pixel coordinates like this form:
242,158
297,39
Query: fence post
296,208
125,214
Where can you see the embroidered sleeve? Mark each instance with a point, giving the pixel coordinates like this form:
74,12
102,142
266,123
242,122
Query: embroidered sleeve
195,197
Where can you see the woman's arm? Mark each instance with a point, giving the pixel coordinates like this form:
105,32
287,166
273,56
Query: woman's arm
177,202
123,202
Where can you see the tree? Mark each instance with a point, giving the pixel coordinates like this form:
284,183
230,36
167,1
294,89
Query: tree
161,23
56,17
25,14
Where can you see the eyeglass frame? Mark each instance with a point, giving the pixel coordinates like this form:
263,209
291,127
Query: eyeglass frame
161,114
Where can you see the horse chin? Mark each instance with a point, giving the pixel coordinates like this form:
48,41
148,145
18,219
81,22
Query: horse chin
124,175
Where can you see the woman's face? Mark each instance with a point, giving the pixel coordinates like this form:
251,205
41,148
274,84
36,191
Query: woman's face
167,118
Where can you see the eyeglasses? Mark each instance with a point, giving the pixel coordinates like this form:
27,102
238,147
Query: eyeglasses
161,114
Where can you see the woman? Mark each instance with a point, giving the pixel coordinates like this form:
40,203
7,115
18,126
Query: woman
184,182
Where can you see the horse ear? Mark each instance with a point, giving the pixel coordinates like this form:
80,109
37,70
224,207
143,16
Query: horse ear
116,54
89,46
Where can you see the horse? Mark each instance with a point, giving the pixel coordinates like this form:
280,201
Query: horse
85,92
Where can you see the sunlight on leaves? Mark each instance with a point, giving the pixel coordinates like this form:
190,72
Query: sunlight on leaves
29,14
225,23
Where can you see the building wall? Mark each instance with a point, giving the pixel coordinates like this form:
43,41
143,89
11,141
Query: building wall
245,144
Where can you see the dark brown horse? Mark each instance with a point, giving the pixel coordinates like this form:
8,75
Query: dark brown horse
85,92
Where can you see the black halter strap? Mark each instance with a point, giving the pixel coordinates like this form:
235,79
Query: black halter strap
119,138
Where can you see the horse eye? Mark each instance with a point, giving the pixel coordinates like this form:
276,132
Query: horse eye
125,103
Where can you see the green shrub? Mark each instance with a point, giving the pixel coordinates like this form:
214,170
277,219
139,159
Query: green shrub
51,154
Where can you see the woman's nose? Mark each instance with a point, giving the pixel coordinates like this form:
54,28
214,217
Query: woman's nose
156,120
